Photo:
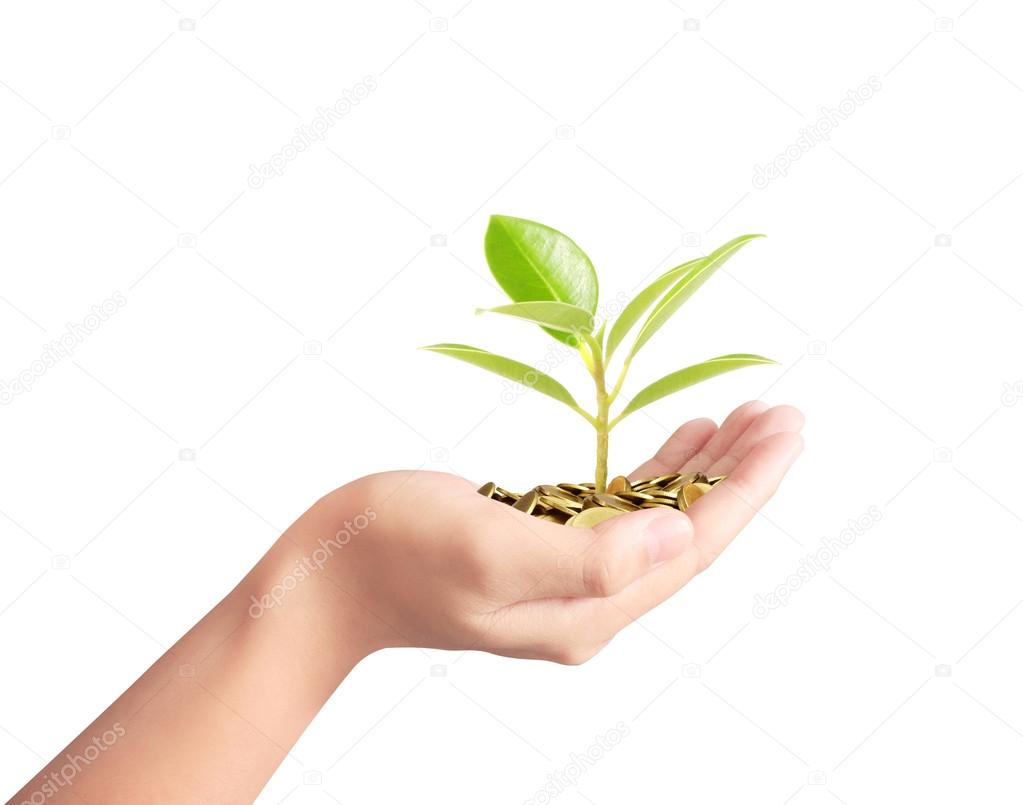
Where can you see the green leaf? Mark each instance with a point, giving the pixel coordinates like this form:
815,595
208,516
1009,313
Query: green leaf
558,316
689,283
690,376
534,263
506,367
641,302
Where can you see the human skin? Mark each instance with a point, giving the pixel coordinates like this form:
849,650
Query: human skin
416,559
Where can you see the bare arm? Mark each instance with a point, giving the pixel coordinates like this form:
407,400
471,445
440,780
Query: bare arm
403,559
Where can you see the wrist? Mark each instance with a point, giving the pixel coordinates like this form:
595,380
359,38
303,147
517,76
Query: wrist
288,604
307,576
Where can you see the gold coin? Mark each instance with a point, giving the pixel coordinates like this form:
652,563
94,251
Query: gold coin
488,489
590,517
527,502
618,484
575,489
561,505
555,492
635,497
550,518
660,480
691,492
680,481
613,502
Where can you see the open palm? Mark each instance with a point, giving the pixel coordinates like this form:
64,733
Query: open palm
443,566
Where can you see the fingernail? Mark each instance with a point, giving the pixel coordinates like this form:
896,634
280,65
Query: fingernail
667,536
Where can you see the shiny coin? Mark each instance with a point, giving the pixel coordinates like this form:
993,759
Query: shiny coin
550,518
560,505
588,518
691,492
645,486
679,481
612,502
660,480
618,484
488,489
635,497
527,502
555,491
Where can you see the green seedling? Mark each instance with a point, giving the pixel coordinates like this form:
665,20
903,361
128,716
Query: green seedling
552,283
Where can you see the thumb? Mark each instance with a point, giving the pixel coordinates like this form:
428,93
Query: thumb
602,561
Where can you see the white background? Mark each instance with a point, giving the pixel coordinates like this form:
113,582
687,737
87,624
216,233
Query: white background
889,288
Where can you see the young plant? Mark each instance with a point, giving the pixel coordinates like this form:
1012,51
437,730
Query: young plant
552,283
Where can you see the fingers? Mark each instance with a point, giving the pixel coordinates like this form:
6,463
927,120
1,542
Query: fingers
779,419
680,447
746,490
603,561
585,585
717,518
731,429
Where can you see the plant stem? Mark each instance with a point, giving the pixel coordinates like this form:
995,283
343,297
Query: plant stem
601,479
601,425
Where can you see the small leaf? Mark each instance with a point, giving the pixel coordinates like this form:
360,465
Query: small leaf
506,367
689,283
690,376
558,316
535,263
641,302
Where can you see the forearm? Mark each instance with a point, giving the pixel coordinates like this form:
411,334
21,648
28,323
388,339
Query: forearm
212,719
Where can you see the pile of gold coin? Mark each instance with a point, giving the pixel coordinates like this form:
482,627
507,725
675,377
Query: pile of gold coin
581,505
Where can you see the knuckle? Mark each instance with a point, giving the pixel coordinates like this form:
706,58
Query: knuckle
704,559
601,578
573,655
473,559
742,490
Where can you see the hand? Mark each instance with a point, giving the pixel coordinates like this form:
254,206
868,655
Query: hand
437,565
409,559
